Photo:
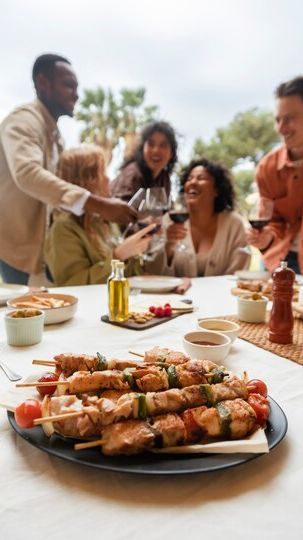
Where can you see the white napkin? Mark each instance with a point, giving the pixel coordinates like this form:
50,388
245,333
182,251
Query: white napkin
255,444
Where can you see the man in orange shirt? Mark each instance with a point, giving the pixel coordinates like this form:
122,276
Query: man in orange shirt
280,178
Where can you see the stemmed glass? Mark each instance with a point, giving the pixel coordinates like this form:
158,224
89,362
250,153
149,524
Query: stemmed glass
178,213
260,212
151,210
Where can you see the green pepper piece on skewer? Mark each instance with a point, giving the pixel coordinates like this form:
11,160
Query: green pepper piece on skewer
102,362
128,377
225,417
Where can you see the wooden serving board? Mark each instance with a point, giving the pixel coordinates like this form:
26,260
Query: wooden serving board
132,325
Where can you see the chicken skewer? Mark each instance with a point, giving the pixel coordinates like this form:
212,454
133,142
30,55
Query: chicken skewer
94,412
227,420
145,379
69,362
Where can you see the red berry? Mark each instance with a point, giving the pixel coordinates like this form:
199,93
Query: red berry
152,309
167,311
167,305
159,312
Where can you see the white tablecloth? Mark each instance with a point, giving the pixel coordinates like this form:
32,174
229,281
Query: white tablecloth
46,497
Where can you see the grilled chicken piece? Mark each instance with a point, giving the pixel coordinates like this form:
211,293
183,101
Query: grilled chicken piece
69,363
190,373
162,354
84,381
230,419
150,379
231,388
131,437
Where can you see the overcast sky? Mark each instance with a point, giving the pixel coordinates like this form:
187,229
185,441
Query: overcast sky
200,61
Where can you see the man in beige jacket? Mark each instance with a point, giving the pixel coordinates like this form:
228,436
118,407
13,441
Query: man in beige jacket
30,144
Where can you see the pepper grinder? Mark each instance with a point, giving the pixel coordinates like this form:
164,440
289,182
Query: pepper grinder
281,317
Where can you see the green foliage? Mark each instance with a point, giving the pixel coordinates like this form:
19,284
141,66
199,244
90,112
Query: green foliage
107,117
249,136
244,185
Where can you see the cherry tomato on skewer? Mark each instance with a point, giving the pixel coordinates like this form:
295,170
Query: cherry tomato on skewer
255,386
261,407
26,412
47,390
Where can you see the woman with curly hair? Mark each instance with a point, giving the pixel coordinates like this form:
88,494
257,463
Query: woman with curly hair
151,163
213,238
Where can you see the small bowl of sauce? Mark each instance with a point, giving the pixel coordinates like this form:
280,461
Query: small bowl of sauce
207,345
228,328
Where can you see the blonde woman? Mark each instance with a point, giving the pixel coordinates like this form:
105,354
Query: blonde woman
79,250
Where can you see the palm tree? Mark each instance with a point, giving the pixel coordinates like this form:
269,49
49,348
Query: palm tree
107,119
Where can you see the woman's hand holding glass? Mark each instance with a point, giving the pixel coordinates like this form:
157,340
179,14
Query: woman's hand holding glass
177,232
134,245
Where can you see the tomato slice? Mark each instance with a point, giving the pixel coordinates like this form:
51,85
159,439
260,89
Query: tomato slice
255,386
26,412
261,407
47,390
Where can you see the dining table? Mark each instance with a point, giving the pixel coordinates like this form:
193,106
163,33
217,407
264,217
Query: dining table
45,496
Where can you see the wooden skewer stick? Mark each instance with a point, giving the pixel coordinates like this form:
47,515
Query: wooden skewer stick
57,417
136,354
37,383
44,362
91,444
7,407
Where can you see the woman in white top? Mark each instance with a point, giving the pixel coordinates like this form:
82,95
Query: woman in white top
213,238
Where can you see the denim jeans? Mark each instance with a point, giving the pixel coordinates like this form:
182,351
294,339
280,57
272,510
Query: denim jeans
10,274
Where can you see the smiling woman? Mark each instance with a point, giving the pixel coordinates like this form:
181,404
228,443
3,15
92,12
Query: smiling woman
151,163
213,237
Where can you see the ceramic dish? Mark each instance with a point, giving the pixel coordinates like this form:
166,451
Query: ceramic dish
228,328
24,326
53,315
152,284
250,310
152,464
205,345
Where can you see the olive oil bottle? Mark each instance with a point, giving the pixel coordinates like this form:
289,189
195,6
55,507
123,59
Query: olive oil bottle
118,290
110,277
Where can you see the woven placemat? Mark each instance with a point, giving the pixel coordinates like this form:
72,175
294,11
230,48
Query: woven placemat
257,334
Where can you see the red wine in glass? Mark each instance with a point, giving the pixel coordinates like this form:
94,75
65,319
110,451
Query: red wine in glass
258,223
142,225
178,217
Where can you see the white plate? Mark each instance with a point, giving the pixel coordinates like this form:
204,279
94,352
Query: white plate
155,283
9,291
246,274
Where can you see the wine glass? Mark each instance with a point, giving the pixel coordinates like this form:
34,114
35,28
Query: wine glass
151,210
178,213
260,212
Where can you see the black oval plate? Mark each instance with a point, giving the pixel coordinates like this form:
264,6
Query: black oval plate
149,463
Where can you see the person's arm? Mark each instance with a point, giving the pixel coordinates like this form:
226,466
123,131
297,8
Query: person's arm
275,230
23,144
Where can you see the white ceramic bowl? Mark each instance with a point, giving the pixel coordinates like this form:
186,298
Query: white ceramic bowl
252,311
24,329
228,328
216,352
53,315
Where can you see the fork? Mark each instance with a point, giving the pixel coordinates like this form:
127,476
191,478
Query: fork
11,375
